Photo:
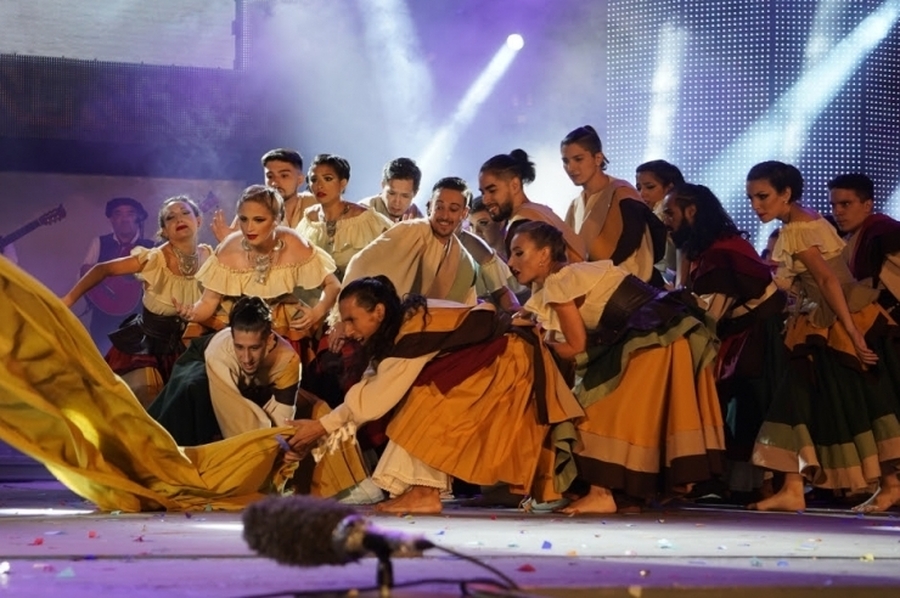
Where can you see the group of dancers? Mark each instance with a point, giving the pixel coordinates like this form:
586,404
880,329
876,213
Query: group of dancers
626,353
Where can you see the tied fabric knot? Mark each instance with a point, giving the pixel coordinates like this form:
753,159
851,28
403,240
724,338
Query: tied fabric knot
333,442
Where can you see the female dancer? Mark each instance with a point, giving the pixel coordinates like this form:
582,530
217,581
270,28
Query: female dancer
654,180
609,215
150,342
339,227
490,397
269,261
835,422
652,417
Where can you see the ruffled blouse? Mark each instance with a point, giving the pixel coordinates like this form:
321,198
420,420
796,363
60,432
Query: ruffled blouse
595,281
161,284
796,237
350,235
283,279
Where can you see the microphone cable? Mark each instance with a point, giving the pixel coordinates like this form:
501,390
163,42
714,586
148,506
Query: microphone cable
499,587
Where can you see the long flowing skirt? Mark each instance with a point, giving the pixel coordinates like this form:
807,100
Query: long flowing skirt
660,427
833,421
490,426
652,414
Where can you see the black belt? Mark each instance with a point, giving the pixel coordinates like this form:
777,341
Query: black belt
631,294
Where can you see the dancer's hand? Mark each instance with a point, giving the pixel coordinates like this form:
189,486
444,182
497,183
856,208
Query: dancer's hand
865,354
336,338
522,318
305,318
219,227
185,310
306,433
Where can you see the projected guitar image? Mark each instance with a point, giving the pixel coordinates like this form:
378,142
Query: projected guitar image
51,217
120,295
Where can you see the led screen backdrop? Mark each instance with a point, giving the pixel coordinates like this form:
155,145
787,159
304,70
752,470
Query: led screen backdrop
161,32
718,86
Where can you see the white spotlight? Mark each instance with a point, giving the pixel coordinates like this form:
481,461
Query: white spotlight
515,41
445,139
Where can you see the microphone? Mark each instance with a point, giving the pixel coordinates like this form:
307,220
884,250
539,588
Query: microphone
307,531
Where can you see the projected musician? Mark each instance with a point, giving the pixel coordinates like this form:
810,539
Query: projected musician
119,296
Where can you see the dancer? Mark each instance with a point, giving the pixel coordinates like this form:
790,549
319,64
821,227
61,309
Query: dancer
337,226
478,399
652,419
269,261
834,423
145,348
610,217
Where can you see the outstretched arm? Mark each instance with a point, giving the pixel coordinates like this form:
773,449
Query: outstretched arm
98,273
200,311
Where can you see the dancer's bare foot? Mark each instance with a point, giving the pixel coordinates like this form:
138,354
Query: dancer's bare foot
884,498
598,500
419,500
789,498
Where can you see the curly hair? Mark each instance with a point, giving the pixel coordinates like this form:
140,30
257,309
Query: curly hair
338,164
711,221
374,290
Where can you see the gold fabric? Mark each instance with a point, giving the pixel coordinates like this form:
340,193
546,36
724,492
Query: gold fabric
62,405
657,413
488,426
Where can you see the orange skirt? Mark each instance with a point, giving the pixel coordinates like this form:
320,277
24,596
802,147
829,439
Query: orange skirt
487,428
659,419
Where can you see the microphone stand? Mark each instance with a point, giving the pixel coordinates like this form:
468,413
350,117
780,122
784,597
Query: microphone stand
384,575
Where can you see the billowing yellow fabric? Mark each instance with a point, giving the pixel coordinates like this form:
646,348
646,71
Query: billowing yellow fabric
62,405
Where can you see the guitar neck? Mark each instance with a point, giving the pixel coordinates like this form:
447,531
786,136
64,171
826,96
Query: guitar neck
19,233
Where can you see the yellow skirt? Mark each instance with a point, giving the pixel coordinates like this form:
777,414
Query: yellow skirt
486,429
659,419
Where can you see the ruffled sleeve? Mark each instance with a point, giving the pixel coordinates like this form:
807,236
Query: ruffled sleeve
283,279
351,234
595,281
796,237
161,284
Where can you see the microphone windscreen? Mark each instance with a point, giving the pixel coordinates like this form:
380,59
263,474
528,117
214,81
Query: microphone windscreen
296,530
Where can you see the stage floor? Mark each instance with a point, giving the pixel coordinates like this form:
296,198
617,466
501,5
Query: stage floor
56,544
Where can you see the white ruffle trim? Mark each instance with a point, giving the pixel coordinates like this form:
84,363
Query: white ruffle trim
334,442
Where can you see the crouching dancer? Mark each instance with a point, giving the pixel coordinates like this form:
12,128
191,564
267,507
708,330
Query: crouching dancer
473,398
